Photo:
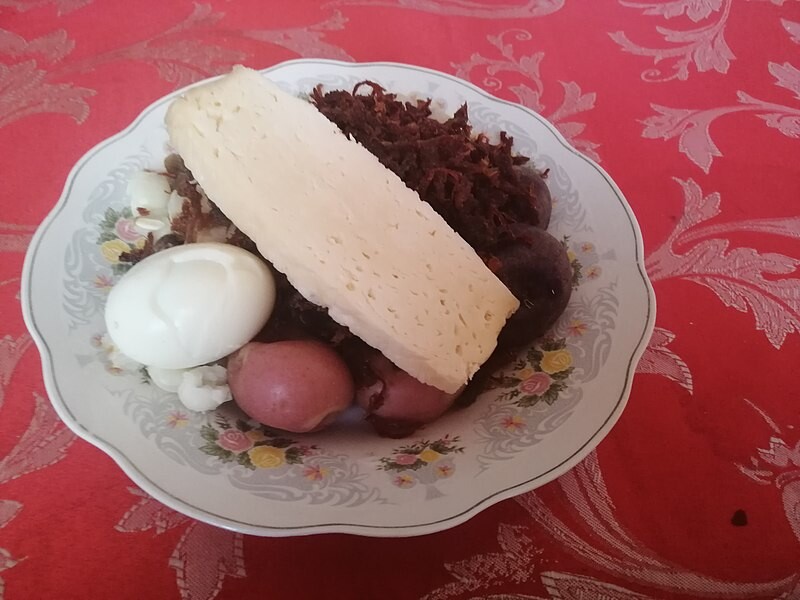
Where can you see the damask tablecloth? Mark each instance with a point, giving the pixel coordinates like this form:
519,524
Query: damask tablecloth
693,106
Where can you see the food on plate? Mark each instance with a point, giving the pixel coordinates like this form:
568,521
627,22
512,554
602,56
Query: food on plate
199,388
476,185
297,385
345,230
204,388
153,202
396,404
402,254
536,269
189,305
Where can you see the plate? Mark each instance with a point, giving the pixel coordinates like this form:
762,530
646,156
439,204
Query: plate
545,413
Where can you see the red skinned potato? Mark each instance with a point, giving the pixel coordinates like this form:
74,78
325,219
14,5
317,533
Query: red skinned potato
397,404
297,385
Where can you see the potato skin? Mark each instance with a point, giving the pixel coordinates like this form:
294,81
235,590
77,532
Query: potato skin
297,385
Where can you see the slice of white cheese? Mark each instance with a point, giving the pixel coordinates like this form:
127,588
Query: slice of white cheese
346,231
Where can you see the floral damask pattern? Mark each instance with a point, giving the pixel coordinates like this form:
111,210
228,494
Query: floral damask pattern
675,72
692,126
180,54
702,47
742,278
530,91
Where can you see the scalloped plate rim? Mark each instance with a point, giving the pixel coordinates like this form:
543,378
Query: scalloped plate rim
184,506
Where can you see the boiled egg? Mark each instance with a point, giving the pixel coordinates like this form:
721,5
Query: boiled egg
190,305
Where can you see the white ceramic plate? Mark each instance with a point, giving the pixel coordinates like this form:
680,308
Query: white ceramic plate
554,407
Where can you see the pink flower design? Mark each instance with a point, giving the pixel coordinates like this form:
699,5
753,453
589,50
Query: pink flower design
513,423
177,419
537,384
126,231
315,473
405,459
445,470
235,441
103,282
593,272
577,328
404,481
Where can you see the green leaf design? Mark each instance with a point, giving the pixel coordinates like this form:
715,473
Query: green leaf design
110,218
120,269
412,448
244,460
534,357
551,395
528,401
577,274
441,447
388,464
210,448
279,442
504,382
208,433
562,375
213,449
294,456
551,344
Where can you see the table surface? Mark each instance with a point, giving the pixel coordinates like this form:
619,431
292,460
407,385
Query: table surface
693,106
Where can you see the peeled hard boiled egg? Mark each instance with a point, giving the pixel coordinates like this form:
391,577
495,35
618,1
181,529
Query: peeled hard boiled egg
190,305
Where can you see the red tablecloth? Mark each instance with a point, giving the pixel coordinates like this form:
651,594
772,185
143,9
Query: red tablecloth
693,106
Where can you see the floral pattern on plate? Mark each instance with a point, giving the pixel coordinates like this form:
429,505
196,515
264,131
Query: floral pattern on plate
541,376
253,447
423,462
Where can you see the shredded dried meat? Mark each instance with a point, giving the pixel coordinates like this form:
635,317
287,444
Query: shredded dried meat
474,184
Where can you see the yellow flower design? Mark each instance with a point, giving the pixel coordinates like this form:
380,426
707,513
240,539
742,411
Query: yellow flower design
555,361
266,457
256,435
525,373
140,242
112,249
429,455
571,255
